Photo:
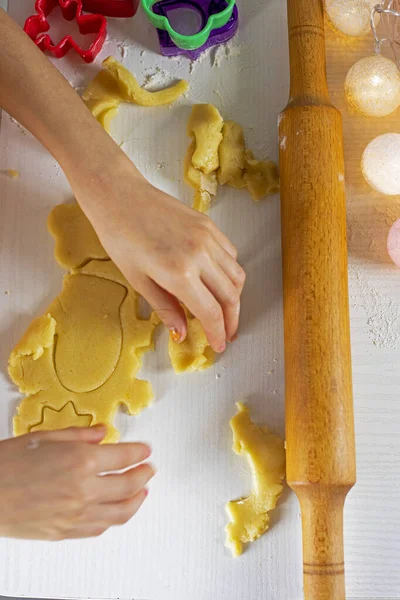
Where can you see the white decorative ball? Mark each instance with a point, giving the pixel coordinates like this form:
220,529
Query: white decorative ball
381,164
372,86
393,243
351,17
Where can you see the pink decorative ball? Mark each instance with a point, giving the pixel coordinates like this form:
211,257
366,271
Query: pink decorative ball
393,243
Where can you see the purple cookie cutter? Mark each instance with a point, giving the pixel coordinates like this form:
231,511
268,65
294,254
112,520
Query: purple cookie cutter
204,8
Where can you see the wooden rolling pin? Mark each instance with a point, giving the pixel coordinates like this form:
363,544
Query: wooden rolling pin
319,411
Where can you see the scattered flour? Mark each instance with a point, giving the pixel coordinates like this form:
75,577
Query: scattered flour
20,127
123,50
225,51
383,312
157,78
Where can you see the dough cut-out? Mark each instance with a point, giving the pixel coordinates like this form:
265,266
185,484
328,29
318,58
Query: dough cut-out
218,155
115,84
61,419
194,353
76,241
83,356
265,453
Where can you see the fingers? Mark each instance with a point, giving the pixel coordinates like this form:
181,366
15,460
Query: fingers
166,306
119,513
104,516
115,488
201,302
227,295
231,267
115,457
222,239
91,435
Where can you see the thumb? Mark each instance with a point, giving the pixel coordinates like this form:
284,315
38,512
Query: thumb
90,435
167,308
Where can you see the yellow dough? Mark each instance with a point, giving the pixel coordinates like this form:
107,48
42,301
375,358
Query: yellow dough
102,97
115,84
201,201
261,177
77,364
205,186
196,178
205,125
76,240
265,453
194,353
232,155
218,155
59,419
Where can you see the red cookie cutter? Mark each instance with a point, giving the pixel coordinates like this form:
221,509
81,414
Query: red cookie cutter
111,8
37,26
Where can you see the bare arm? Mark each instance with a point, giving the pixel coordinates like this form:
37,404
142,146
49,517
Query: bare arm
167,251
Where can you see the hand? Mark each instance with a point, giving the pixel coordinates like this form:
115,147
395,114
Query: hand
168,252
50,487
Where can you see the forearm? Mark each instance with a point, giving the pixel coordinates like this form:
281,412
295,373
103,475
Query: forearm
34,92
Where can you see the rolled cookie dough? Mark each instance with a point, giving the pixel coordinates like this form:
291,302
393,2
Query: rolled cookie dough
80,360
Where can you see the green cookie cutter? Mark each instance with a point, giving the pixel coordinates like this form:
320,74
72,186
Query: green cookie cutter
189,42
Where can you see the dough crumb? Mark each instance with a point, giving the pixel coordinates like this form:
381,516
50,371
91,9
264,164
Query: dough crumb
14,174
265,452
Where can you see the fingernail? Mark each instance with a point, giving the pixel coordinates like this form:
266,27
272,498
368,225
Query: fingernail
99,428
234,338
146,492
175,335
222,348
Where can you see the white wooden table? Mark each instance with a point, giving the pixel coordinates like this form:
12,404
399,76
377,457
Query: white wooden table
174,549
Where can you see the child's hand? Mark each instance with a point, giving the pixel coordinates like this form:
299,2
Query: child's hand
167,251
50,488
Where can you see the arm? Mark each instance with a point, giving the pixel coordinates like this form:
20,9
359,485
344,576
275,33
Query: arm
167,251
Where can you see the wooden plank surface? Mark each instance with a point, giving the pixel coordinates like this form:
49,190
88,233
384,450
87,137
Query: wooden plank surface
174,548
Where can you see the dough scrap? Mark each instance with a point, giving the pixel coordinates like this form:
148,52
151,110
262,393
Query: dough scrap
205,186
194,353
232,155
130,90
196,178
202,201
205,125
115,84
260,176
265,453
81,359
218,155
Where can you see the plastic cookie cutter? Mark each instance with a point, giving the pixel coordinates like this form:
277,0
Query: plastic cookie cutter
111,8
37,27
214,21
